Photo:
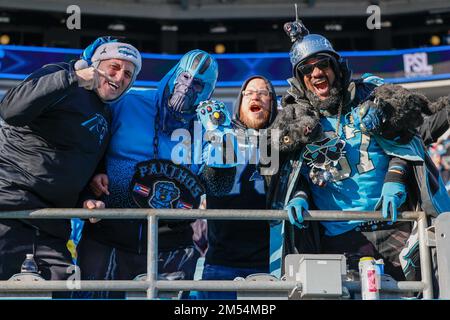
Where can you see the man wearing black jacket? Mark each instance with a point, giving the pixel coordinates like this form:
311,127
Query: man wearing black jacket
54,132
240,248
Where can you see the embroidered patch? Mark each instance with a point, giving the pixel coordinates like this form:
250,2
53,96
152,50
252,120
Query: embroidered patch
141,189
161,184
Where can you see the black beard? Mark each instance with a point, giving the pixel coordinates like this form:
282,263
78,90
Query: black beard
329,106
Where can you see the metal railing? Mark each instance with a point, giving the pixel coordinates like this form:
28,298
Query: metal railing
152,285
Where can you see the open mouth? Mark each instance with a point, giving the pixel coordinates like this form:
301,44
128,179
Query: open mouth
113,86
321,86
255,108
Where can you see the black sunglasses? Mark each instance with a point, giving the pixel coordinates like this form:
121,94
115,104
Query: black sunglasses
307,69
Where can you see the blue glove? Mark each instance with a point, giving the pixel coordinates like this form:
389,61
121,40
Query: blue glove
393,195
295,209
216,121
214,115
368,117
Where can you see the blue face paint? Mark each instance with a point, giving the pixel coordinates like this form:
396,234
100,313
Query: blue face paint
192,82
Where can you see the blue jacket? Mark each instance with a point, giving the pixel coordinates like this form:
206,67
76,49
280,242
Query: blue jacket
135,121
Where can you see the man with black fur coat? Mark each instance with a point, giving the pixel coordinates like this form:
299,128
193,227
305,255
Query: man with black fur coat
350,145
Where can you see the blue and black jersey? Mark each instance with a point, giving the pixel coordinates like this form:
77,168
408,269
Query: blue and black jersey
362,170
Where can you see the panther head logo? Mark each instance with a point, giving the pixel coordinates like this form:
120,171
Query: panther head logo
164,194
325,152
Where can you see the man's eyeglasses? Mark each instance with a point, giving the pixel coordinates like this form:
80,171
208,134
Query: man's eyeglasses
261,92
307,69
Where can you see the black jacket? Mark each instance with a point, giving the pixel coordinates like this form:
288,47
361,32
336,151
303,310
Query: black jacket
435,126
52,137
234,243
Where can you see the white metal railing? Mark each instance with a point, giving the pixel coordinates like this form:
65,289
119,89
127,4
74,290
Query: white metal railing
152,285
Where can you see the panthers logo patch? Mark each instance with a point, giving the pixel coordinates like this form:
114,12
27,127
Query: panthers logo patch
161,184
98,126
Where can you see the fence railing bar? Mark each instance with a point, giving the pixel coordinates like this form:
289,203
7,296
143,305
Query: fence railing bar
82,285
176,285
152,256
220,285
200,214
151,285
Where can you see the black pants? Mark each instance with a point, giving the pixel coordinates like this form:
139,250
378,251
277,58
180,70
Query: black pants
50,253
383,244
99,261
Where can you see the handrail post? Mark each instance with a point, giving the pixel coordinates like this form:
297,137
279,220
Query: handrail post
425,257
152,255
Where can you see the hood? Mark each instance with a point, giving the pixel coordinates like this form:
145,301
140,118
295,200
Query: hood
162,96
195,63
237,106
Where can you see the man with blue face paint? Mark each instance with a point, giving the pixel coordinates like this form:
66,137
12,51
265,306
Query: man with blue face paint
139,171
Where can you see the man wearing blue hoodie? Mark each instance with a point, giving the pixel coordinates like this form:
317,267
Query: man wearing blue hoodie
142,125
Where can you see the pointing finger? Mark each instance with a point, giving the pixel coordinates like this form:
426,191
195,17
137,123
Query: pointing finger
104,75
385,209
104,189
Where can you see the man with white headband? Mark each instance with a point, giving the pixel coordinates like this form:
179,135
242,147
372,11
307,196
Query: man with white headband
54,130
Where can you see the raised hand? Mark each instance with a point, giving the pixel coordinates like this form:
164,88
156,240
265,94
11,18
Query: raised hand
89,78
368,117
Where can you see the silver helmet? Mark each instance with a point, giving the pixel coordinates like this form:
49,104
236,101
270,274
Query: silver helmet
308,46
